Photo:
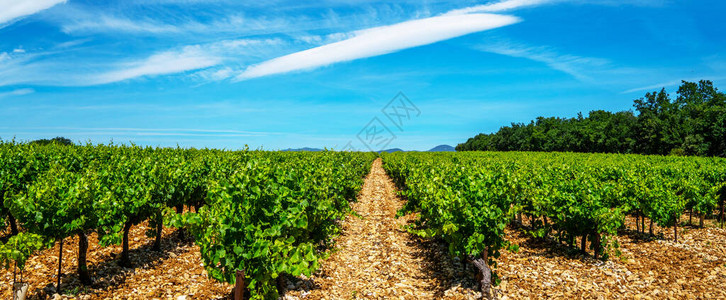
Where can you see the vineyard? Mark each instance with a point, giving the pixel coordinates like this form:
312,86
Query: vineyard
468,199
287,223
269,214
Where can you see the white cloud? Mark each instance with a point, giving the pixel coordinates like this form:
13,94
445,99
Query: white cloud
46,68
14,9
507,5
653,87
90,131
498,6
72,43
74,20
18,92
40,68
215,74
380,40
577,66
672,83
105,22
325,39
189,58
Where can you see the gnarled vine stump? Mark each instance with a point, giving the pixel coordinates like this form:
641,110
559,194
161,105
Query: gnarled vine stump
484,275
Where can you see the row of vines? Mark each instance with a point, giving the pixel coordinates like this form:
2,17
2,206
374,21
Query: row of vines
467,199
267,213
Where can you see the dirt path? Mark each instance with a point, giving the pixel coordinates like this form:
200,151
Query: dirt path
378,259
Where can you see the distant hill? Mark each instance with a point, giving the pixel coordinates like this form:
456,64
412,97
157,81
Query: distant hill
392,150
439,148
305,149
442,148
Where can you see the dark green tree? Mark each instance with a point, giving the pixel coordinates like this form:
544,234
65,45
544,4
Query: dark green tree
694,123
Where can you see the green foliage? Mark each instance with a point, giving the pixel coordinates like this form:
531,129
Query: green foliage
58,204
19,166
694,123
54,141
465,204
468,198
19,248
269,215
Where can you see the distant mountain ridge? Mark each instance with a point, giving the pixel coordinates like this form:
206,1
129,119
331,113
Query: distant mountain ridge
442,148
392,150
439,148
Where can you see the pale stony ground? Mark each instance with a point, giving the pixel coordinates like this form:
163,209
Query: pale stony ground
176,272
378,259
649,267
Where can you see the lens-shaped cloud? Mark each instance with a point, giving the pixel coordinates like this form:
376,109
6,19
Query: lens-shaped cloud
380,40
13,9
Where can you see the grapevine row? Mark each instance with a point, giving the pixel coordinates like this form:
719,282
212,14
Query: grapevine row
267,213
467,199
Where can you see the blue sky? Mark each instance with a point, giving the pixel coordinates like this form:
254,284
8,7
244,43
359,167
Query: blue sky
286,74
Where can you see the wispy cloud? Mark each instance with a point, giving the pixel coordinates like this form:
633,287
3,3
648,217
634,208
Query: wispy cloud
15,9
189,58
38,68
46,68
110,23
653,86
80,20
18,92
380,40
239,59
72,43
577,66
111,131
671,83
499,6
508,5
217,60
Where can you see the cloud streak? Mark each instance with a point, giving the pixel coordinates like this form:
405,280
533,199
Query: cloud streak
85,131
498,6
576,66
15,9
18,92
507,5
221,60
379,41
671,83
206,62
80,20
189,58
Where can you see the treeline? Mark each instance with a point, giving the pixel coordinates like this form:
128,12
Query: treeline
59,140
692,123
